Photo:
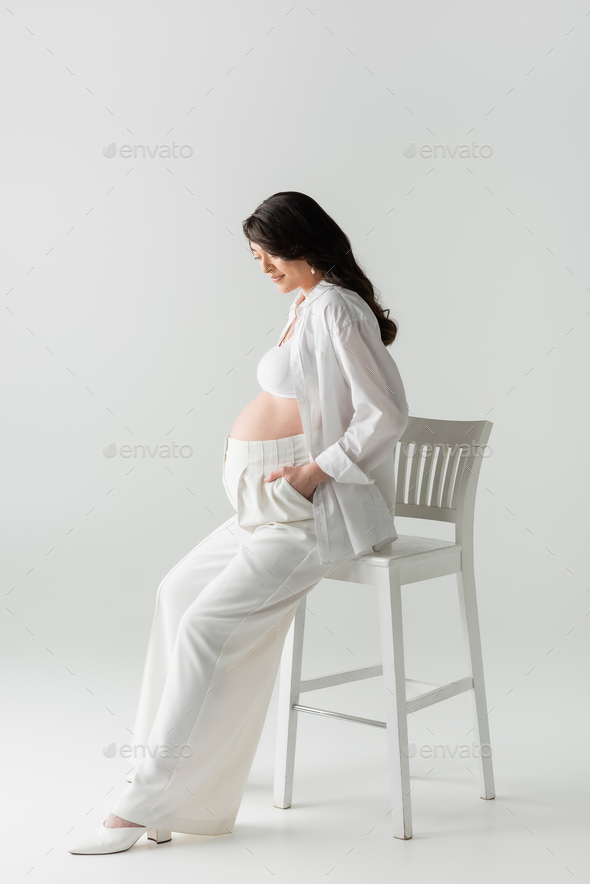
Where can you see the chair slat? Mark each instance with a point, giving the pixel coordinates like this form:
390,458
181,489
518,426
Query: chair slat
465,462
414,470
402,470
450,477
439,471
428,466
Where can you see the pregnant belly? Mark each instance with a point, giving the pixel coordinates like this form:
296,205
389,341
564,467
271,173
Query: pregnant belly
268,417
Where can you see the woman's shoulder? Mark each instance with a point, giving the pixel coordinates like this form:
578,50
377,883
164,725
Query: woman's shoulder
340,306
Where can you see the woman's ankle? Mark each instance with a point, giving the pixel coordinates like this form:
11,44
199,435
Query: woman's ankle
116,822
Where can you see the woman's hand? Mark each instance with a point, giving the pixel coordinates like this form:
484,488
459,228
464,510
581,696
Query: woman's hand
304,478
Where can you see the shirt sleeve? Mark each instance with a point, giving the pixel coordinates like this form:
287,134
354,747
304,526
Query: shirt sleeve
380,414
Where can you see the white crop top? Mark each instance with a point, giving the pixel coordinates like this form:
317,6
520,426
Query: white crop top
274,371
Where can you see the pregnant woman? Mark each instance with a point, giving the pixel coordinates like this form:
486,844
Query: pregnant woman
308,469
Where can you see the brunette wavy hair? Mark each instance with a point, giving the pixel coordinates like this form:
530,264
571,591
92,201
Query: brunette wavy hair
294,227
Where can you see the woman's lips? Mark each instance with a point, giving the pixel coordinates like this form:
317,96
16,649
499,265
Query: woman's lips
276,278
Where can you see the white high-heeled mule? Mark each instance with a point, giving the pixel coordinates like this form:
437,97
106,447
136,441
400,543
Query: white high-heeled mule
105,840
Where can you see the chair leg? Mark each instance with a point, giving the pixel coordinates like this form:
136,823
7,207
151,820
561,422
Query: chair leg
396,715
472,639
289,681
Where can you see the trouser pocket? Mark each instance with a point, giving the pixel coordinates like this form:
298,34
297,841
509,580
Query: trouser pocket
260,502
286,486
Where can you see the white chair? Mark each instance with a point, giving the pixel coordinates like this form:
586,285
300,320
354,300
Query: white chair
436,465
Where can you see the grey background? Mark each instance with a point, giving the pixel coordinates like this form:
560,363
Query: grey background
135,313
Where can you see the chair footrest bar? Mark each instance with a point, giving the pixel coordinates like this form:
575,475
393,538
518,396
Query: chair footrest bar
328,681
329,714
444,692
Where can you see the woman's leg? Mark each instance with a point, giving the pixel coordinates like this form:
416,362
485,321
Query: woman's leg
219,674
177,591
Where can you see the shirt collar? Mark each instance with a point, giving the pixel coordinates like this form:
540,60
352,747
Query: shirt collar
319,289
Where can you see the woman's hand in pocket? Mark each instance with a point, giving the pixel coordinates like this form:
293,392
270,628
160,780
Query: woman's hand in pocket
304,478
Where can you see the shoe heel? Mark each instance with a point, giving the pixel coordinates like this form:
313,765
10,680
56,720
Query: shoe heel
160,836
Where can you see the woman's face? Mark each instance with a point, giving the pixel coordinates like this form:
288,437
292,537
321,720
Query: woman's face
286,275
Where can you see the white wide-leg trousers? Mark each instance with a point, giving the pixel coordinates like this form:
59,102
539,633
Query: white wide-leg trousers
221,618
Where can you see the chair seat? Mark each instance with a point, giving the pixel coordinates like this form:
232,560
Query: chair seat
409,545
416,558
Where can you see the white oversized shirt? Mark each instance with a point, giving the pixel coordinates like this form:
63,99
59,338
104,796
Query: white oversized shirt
353,411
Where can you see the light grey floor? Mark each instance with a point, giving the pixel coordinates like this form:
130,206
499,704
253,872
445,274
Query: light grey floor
338,827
